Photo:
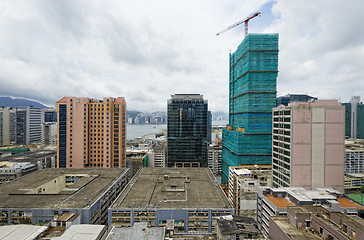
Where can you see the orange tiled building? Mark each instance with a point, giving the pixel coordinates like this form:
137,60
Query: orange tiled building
91,133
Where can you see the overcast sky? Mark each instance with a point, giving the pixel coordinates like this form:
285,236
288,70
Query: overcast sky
146,51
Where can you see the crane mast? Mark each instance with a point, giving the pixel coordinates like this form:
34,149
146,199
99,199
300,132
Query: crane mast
245,21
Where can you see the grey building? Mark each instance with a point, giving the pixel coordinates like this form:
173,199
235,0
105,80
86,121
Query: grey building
41,158
37,198
7,126
11,171
187,130
190,196
214,159
49,133
28,125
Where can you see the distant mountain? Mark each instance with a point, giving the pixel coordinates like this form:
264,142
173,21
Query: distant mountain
19,103
132,113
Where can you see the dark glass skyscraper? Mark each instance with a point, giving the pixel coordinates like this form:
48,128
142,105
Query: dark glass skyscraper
187,130
354,118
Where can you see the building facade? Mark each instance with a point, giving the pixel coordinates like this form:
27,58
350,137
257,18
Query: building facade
160,152
7,126
354,118
214,159
252,96
91,133
187,129
243,184
354,156
49,115
28,126
308,145
49,133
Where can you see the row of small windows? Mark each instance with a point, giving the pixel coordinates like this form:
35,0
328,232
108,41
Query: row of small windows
281,125
282,151
282,164
281,177
281,138
282,119
281,144
285,112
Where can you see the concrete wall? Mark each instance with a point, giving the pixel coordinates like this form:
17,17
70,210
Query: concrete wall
275,232
53,186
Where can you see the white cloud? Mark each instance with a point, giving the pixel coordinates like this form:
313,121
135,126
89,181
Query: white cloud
149,50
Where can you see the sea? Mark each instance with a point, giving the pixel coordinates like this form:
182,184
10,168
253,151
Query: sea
139,130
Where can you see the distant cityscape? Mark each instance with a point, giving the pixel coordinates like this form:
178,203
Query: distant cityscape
286,167
135,117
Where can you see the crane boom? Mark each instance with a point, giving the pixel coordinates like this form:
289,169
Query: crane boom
245,21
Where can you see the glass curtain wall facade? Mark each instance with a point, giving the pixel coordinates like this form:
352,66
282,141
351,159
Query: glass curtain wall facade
187,129
62,138
354,118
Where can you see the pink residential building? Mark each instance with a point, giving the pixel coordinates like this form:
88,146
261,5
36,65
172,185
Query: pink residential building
91,132
308,145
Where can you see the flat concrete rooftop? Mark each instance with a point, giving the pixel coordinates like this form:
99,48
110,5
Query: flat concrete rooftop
172,188
293,232
58,188
138,231
31,156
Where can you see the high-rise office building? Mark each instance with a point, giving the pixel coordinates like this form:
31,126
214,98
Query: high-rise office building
49,115
187,130
7,126
28,125
91,133
294,98
308,145
354,118
252,96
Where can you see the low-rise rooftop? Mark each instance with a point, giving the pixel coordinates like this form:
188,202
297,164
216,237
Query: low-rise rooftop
171,188
138,231
31,156
344,202
292,231
21,232
279,202
58,188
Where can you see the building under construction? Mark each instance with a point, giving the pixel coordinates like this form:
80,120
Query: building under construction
40,197
252,96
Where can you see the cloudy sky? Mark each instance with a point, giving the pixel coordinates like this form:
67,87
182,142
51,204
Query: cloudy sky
147,50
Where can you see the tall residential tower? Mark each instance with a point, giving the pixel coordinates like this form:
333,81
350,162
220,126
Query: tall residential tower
91,133
252,96
187,130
